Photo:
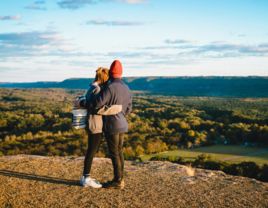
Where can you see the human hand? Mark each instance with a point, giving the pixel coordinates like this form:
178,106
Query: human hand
77,104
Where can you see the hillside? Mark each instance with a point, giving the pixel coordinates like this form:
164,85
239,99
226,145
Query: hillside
36,181
180,86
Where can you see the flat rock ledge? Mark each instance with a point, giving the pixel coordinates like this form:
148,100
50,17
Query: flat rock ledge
39,181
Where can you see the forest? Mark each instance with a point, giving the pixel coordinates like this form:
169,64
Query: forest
38,121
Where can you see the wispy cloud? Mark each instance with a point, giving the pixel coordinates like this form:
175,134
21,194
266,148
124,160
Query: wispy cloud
40,2
216,49
174,41
263,45
150,55
218,42
76,4
132,1
113,23
35,6
33,43
15,17
34,38
169,47
223,50
21,23
176,62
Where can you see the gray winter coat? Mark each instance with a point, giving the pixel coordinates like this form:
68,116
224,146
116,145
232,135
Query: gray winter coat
94,124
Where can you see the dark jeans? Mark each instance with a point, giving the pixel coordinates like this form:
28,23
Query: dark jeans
115,144
93,144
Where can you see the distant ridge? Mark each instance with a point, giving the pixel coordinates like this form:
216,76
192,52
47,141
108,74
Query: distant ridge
215,86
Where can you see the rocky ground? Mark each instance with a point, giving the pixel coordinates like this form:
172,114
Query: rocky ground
36,181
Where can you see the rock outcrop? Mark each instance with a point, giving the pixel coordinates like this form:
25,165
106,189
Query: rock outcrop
37,181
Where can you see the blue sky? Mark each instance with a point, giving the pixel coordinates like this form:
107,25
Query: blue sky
47,40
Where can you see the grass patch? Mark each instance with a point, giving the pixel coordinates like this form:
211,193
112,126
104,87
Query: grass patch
258,159
218,152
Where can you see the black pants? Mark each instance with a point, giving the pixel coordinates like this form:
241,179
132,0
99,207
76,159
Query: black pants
93,144
115,144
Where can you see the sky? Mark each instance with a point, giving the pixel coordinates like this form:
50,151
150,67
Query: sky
53,40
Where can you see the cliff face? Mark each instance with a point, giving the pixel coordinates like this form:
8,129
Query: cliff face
36,181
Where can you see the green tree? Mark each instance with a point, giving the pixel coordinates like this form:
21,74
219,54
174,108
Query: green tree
150,148
139,150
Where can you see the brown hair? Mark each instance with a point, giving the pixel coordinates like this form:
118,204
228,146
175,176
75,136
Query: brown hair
102,76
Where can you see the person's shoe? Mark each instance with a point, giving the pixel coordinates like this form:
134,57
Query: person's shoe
89,182
114,184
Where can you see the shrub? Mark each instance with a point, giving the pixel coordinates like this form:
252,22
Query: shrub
7,138
173,147
250,169
264,173
171,158
139,150
181,160
212,165
157,158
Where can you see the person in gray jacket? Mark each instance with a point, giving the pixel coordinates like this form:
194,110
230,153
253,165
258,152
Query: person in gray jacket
94,126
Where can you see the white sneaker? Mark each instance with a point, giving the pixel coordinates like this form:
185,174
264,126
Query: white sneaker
89,182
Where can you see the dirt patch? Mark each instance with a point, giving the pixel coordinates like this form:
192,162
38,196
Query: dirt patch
35,181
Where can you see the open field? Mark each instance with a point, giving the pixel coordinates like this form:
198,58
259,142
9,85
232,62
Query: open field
259,159
219,152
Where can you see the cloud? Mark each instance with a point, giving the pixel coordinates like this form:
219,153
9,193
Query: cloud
219,41
51,27
40,2
263,45
242,35
10,17
35,43
21,23
132,1
175,62
150,55
169,47
76,4
223,50
35,6
113,23
173,41
81,63
217,49
34,38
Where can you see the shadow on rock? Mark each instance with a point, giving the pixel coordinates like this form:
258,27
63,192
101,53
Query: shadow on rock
39,178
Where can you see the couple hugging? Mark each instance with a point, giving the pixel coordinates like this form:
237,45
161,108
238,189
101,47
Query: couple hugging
113,124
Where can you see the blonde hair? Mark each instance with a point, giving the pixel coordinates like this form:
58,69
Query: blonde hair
102,76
